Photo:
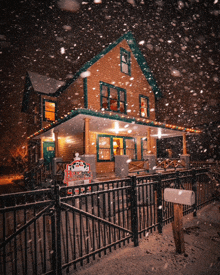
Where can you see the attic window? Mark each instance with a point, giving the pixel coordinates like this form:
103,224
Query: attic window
125,61
144,106
113,98
49,110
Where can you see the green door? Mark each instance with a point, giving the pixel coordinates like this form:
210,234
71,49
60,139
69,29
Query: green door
49,152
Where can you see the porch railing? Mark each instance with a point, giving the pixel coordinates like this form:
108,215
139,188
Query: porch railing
170,163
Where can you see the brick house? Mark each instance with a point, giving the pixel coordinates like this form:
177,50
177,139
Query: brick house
106,110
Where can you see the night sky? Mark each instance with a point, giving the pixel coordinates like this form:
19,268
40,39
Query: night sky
180,41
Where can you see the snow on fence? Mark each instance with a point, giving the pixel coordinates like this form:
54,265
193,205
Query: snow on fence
48,231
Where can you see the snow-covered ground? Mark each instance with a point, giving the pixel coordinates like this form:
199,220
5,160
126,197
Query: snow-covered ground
156,252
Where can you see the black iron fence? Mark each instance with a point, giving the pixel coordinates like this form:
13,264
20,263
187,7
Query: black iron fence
52,231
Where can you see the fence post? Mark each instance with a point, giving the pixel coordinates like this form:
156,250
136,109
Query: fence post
58,231
53,232
194,188
159,204
134,218
177,179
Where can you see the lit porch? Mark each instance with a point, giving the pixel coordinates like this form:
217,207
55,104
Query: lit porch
85,131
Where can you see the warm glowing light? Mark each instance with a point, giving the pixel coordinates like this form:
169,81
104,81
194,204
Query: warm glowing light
159,133
116,127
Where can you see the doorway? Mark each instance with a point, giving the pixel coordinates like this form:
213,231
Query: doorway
49,152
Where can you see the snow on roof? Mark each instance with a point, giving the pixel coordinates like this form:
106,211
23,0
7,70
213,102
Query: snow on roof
44,84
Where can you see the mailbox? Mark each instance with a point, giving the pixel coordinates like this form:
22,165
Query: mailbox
179,196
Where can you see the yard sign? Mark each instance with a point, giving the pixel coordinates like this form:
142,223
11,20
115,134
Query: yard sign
77,172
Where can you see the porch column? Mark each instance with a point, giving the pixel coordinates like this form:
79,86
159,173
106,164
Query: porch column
185,157
150,157
149,141
184,145
56,143
86,136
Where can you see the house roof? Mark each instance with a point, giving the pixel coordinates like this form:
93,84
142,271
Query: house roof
44,84
41,84
137,54
72,123
47,85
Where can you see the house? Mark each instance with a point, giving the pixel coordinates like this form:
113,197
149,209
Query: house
105,112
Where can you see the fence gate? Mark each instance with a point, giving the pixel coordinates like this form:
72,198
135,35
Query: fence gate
48,231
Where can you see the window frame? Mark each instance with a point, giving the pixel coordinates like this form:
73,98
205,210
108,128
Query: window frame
44,109
128,63
142,148
112,147
148,105
119,90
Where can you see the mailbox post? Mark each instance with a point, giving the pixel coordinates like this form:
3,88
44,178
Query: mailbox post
179,197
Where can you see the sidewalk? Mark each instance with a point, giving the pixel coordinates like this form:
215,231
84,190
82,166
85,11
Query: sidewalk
156,252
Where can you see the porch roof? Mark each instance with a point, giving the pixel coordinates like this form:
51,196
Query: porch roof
111,123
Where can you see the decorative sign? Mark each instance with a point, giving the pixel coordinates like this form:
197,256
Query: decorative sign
77,172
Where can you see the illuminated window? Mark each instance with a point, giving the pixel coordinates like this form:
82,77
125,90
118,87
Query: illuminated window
113,98
144,106
130,148
109,146
118,149
125,61
104,148
49,110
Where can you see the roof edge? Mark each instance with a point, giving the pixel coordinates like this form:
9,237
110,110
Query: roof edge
138,56
114,116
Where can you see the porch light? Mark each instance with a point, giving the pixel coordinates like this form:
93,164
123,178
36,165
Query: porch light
116,127
159,133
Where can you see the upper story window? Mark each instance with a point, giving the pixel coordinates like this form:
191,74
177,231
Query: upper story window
113,98
125,61
144,106
49,110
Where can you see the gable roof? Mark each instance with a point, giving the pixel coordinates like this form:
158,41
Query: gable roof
44,84
137,54
41,84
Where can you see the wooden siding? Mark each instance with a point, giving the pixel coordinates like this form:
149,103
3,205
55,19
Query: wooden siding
67,147
32,127
108,70
72,97
105,167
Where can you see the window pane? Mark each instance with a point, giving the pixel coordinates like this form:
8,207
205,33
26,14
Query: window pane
144,107
144,144
104,91
124,58
104,142
122,96
104,154
118,146
113,93
50,110
50,116
122,107
130,148
130,143
130,153
49,106
104,103
124,68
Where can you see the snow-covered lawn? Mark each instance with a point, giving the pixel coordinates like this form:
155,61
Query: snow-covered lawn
156,252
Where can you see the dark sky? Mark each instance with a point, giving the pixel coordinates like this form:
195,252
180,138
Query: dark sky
179,39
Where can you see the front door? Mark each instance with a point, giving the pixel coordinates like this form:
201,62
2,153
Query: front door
49,152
